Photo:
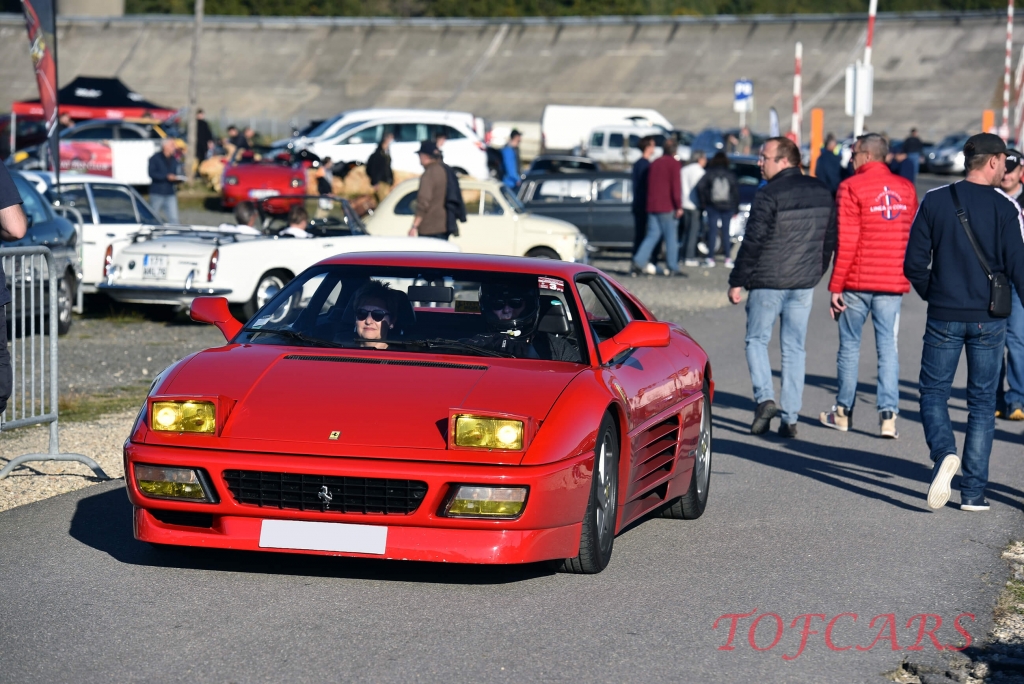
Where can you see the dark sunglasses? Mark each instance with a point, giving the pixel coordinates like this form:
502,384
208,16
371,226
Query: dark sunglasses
511,302
378,314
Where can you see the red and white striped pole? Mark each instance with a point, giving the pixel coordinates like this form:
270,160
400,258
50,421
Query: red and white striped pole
858,118
1018,112
1004,130
797,123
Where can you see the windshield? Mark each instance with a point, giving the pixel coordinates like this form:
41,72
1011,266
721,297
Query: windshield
322,128
511,198
447,311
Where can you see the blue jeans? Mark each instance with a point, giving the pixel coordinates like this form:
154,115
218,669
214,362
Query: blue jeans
718,224
943,342
166,207
885,316
763,307
1013,366
659,226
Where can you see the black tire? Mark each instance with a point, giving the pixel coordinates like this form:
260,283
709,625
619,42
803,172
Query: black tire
543,253
65,303
691,505
598,534
278,277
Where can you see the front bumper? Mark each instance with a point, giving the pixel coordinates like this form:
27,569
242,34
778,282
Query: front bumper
548,528
175,296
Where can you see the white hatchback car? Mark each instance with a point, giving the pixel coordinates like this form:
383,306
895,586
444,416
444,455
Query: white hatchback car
356,141
496,223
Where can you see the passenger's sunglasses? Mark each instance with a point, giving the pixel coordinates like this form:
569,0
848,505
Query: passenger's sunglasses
510,302
378,314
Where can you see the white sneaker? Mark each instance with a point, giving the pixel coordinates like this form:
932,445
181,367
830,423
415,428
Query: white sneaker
691,263
651,269
938,492
729,263
709,263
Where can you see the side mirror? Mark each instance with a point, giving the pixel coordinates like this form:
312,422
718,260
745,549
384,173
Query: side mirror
214,310
635,335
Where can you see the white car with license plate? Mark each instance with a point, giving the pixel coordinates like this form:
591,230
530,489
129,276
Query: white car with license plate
496,223
172,267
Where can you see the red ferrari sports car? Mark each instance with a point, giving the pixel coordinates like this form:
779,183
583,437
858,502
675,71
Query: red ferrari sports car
254,176
433,407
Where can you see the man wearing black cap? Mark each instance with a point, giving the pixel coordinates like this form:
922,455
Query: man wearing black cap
942,265
1010,404
430,220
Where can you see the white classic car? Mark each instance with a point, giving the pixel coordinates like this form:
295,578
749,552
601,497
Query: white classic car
496,223
112,212
173,266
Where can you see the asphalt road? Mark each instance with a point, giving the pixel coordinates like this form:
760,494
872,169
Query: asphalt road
828,524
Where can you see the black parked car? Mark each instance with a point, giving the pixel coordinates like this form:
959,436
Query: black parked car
46,229
599,203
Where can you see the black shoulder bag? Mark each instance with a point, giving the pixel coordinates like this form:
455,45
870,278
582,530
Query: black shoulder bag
999,295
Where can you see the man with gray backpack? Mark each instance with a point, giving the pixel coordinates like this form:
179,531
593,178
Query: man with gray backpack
966,247
719,195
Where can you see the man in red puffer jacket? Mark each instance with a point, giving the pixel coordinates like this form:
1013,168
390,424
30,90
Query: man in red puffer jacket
875,209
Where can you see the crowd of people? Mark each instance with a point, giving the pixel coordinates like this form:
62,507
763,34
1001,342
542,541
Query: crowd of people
962,251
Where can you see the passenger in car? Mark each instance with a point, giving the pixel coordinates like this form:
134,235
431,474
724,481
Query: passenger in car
373,311
513,314
298,222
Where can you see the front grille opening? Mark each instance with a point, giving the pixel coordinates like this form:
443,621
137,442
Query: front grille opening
184,518
306,492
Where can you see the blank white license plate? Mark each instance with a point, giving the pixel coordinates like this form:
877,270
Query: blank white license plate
154,266
322,536
262,194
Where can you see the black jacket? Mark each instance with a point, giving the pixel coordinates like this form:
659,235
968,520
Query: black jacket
940,262
829,170
378,168
641,169
706,184
790,235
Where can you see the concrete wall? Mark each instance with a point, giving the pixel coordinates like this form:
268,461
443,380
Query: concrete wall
936,71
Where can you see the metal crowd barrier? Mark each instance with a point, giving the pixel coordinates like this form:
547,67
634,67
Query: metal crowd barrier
75,216
32,330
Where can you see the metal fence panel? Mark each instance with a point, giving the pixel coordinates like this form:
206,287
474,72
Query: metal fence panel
32,330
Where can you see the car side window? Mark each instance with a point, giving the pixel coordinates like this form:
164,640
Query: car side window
615,140
453,133
471,198
407,205
491,206
614,190
32,203
406,133
628,308
93,133
113,204
563,191
371,134
634,141
605,321
75,196
125,133
597,139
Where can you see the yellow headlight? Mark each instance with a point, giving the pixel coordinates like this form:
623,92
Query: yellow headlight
169,483
488,433
184,416
487,502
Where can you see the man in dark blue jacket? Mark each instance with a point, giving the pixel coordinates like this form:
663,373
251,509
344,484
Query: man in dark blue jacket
828,168
957,291
165,174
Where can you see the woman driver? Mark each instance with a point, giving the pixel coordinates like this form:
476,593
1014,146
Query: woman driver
374,318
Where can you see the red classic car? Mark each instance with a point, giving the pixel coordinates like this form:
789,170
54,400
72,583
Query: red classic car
262,175
433,407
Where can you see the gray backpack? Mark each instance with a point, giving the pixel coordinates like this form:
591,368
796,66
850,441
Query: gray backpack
720,191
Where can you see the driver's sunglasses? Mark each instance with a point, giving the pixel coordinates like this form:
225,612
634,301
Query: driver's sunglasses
378,314
510,302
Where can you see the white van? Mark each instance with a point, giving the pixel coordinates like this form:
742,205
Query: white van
620,143
565,128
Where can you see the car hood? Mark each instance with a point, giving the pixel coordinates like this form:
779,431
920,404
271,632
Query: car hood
548,224
293,399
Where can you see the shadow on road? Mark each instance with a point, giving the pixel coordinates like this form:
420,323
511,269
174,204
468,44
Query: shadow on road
104,522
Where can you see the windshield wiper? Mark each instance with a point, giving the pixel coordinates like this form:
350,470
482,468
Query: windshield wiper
294,335
440,343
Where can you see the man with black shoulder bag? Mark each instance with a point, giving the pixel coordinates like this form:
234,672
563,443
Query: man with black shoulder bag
966,246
